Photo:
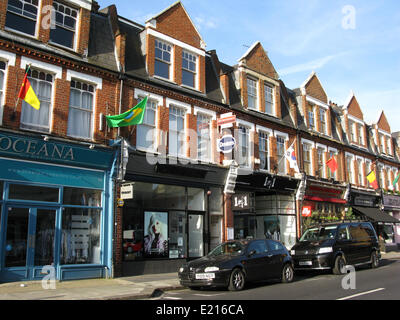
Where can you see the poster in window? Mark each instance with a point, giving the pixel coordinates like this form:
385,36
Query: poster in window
156,234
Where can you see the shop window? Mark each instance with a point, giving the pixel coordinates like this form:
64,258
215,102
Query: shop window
146,131
269,100
17,237
80,236
195,232
189,69
280,151
44,237
65,25
38,120
252,94
82,197
162,59
263,142
177,234
203,137
196,199
176,134
80,116
155,241
33,193
22,15
2,80
133,233
244,146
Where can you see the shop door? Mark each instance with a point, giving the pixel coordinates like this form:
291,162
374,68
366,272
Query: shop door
29,243
195,232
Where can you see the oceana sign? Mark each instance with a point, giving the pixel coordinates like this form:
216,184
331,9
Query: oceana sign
35,148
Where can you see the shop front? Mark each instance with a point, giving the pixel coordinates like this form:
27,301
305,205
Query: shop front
391,205
264,206
56,209
174,213
322,202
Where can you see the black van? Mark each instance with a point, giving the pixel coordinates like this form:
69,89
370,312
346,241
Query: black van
335,245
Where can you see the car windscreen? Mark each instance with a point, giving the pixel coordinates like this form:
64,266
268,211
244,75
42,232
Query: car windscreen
319,234
228,248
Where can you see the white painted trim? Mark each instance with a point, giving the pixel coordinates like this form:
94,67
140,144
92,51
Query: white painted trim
173,41
8,57
141,93
384,133
264,129
210,113
247,124
330,149
177,103
360,158
312,143
350,155
43,66
352,118
86,78
249,50
258,76
282,134
321,146
317,102
86,4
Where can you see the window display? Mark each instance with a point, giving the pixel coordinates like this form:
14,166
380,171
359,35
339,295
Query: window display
156,234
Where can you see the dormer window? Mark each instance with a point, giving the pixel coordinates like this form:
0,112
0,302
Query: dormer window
162,59
189,69
269,99
252,94
65,25
22,15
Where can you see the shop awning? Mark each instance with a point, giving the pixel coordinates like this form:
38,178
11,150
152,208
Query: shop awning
375,214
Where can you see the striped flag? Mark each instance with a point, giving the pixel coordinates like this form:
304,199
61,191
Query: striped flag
372,180
395,181
27,94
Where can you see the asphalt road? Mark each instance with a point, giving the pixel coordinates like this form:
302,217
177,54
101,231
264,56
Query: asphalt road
382,283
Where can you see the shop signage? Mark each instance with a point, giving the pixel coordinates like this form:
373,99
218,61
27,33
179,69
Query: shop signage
30,148
120,202
306,212
226,120
241,201
391,201
127,191
226,144
231,180
364,201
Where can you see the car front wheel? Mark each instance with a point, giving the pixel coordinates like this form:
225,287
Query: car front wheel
374,260
339,267
287,273
237,280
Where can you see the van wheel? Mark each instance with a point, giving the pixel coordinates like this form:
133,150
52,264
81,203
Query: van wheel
237,280
339,267
374,260
287,273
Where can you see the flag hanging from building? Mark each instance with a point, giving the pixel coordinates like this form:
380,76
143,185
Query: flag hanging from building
27,94
131,117
395,181
332,164
291,157
372,180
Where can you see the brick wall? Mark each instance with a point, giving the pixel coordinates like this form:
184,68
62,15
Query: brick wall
83,30
3,11
315,90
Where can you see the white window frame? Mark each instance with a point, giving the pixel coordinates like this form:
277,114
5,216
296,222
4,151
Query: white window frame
307,147
352,171
323,121
311,116
267,135
273,111
332,153
170,63
184,146
9,59
240,146
39,14
195,72
285,138
249,80
155,130
324,150
360,162
209,139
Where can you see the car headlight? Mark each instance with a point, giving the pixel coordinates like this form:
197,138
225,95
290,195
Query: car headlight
292,252
211,269
325,250
181,269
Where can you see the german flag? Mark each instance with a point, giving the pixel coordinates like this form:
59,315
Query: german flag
372,180
27,94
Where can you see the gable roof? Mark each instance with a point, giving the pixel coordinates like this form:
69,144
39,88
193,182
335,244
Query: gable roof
383,123
308,80
352,103
178,3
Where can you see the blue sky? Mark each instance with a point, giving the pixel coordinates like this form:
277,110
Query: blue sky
351,44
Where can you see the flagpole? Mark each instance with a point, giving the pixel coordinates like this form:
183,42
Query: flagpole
16,104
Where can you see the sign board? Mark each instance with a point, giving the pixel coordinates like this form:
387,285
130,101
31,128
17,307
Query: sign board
226,144
241,201
226,120
231,180
306,212
127,191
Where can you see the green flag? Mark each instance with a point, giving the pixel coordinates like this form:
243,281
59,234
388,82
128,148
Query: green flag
395,181
131,117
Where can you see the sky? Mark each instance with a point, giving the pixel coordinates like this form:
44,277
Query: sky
352,45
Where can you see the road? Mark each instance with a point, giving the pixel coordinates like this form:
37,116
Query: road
369,284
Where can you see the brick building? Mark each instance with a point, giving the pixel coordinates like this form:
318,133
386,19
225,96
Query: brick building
184,190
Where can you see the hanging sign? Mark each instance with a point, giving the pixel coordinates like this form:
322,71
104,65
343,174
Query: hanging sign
226,120
226,144
306,212
127,191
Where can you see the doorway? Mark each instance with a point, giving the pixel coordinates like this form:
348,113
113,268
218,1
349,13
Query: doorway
28,242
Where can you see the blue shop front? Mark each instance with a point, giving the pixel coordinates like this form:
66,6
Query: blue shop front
56,208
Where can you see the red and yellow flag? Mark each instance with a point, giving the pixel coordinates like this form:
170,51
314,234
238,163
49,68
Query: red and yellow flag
27,94
372,180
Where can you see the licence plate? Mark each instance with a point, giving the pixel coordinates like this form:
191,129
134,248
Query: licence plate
305,263
205,276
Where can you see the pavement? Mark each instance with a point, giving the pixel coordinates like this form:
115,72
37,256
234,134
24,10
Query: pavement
125,288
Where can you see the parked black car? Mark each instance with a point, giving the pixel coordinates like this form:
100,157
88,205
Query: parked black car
335,245
234,263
